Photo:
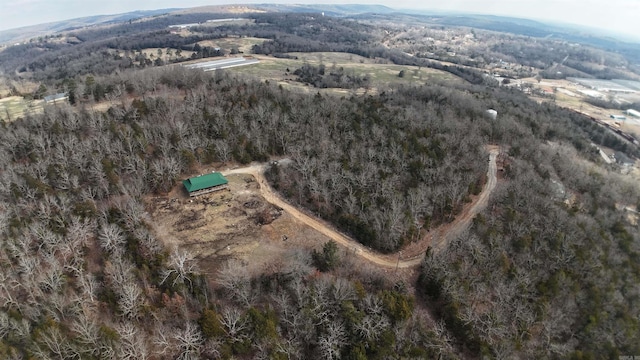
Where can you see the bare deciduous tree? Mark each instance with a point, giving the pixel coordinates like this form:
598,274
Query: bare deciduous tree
189,342
234,323
181,267
129,299
235,279
132,344
331,343
111,237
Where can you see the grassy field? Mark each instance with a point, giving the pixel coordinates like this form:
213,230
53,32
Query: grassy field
243,44
570,101
239,22
380,73
14,107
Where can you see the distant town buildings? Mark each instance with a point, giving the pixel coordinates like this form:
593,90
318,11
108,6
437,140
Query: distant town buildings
222,64
614,85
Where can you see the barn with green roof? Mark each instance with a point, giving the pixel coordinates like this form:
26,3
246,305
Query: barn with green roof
204,184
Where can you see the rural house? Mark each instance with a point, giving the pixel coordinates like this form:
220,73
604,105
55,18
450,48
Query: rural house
204,184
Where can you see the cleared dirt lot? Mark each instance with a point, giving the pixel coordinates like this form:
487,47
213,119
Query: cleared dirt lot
236,223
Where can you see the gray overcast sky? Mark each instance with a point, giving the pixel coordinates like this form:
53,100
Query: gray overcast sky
615,15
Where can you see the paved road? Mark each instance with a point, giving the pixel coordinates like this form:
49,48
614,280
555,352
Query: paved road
454,229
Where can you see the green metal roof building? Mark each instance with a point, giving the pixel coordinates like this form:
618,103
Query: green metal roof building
205,183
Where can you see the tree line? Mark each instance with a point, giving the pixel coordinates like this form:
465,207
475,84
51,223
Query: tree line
334,77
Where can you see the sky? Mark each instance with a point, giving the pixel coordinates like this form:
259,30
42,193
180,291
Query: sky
617,16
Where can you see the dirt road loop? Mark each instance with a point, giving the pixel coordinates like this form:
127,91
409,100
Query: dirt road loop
397,260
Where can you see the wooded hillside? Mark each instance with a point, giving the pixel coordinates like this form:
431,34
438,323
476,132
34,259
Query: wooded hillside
548,270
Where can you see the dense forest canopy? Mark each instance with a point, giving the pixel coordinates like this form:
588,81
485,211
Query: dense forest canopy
379,167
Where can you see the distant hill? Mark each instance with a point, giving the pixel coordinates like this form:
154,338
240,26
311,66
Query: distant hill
593,37
538,29
329,9
24,33
525,27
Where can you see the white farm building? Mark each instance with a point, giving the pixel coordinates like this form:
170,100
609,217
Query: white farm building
633,113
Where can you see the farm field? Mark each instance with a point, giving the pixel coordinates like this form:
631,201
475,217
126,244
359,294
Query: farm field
14,107
281,70
243,45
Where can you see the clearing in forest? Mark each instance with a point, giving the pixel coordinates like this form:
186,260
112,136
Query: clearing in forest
379,71
236,223
253,223
242,44
14,107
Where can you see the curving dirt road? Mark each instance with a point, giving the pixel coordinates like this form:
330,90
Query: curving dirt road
414,256
462,222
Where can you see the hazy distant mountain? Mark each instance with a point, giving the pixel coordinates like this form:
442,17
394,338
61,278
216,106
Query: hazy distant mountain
571,33
27,32
513,25
578,34
24,33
